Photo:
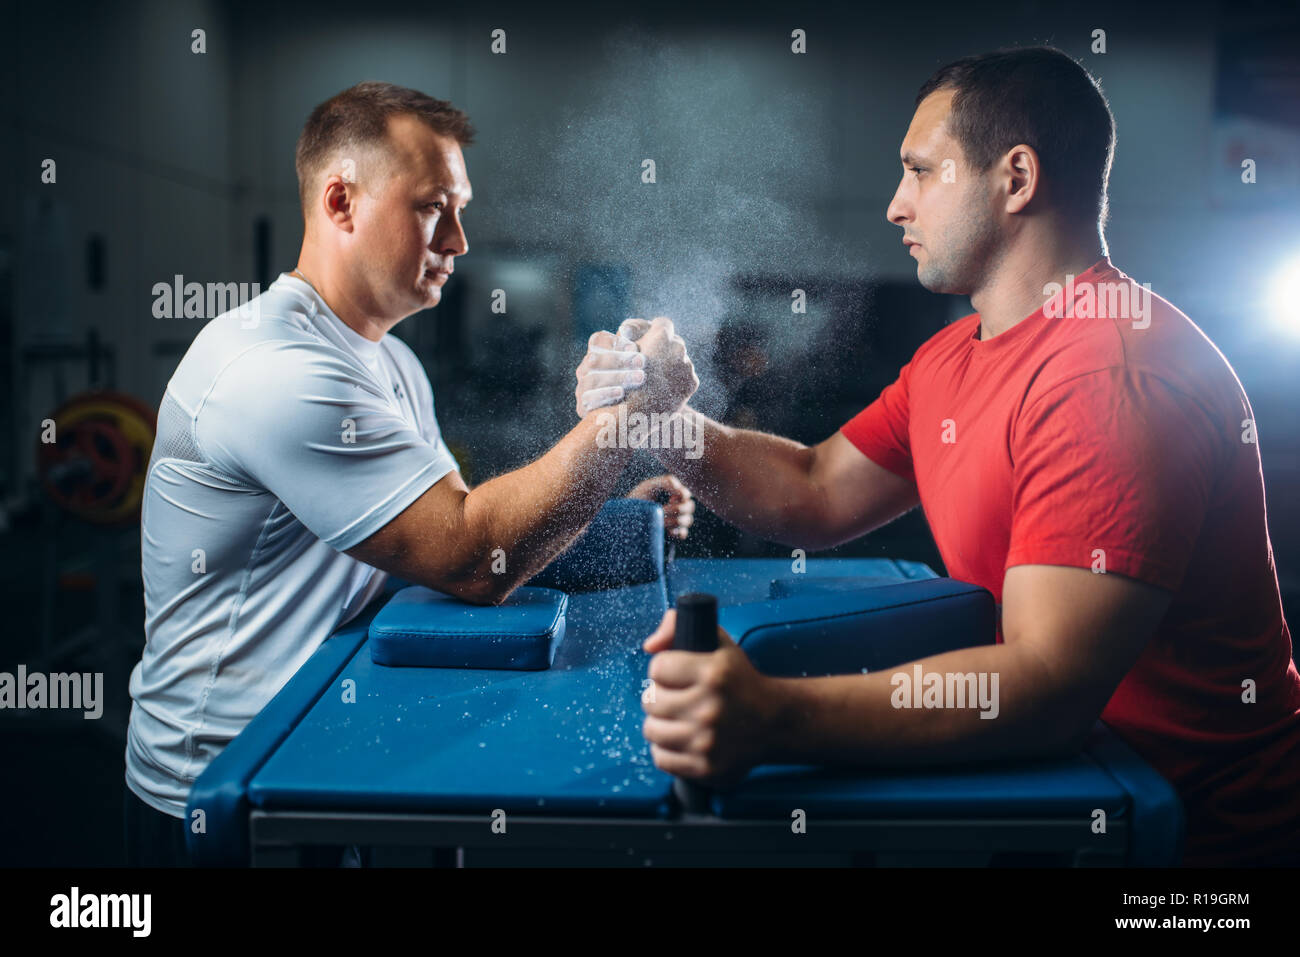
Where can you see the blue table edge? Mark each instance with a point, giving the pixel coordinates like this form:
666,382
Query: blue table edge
221,792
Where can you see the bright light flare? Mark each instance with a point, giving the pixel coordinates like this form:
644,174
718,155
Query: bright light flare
1284,299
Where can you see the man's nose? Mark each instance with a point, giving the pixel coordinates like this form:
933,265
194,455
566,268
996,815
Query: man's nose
450,239
899,211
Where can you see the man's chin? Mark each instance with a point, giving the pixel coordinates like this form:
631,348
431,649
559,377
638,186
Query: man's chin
934,283
420,300
926,280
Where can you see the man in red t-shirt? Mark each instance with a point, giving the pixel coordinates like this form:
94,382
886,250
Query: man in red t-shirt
1080,449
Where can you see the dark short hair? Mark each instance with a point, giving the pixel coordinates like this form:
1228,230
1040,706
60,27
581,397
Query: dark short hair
359,116
1042,98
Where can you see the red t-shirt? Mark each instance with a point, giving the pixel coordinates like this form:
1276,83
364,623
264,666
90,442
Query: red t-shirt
1096,431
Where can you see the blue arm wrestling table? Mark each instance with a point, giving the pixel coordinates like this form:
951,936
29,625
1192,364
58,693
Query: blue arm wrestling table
446,765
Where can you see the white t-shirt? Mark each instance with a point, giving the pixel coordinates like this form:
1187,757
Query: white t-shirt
281,442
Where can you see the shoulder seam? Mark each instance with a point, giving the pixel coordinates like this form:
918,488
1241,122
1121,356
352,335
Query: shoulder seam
213,384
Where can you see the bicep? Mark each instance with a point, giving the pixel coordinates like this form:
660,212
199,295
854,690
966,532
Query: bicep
425,542
856,494
1080,631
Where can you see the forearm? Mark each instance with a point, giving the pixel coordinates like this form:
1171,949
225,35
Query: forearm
759,482
533,513
859,719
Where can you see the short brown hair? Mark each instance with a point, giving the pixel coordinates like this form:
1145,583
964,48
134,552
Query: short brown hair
359,117
1041,97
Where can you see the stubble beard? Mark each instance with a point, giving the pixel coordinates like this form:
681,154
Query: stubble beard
969,250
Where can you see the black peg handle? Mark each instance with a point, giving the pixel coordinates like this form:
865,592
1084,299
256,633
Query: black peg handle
697,630
697,623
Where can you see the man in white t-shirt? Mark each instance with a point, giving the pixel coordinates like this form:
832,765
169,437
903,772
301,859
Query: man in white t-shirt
299,461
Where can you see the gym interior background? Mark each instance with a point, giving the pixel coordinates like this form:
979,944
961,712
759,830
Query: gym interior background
173,163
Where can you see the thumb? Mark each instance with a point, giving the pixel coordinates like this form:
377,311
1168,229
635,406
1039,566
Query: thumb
662,638
633,329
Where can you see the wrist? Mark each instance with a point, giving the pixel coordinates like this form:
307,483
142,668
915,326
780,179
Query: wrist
641,399
781,720
603,431
685,431
605,413
638,400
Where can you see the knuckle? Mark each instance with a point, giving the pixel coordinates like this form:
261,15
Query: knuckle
706,742
709,713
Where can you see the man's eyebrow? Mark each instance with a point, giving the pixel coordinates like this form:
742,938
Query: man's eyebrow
449,190
911,159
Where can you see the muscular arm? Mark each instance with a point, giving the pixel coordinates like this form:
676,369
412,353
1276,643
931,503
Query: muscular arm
447,538
806,496
1069,638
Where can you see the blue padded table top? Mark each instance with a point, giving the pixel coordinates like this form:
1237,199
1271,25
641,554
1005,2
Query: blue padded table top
563,740
568,740
738,580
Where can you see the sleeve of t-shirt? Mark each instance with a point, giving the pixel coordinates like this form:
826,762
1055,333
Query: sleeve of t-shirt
304,424
880,430
1112,471
430,429
413,375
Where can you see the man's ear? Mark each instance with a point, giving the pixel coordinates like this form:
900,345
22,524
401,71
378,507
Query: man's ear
338,200
1021,172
